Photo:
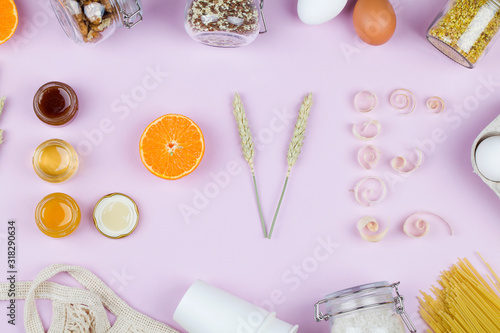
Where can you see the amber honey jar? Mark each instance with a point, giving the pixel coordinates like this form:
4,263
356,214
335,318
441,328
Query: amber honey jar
55,103
55,161
57,215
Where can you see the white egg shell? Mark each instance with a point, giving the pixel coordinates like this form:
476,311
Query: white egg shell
319,11
492,130
488,158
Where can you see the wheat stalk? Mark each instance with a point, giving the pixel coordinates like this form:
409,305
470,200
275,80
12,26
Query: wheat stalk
247,147
2,102
294,148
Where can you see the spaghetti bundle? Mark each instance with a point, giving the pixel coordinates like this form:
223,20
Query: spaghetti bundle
465,303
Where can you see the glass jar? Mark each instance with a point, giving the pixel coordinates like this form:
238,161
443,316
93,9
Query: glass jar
55,103
57,215
55,161
224,23
465,29
369,308
116,215
90,21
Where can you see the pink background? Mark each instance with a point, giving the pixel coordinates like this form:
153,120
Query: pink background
222,243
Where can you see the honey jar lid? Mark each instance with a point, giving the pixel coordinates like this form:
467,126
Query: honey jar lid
116,215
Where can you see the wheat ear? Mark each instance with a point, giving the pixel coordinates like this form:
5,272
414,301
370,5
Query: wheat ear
247,147
2,102
299,134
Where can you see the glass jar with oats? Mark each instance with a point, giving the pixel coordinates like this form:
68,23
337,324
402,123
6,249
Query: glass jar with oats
224,23
465,29
91,21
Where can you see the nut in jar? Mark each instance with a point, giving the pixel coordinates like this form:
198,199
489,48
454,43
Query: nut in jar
224,23
90,21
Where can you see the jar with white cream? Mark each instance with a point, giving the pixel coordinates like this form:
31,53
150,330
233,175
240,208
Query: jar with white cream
369,308
116,215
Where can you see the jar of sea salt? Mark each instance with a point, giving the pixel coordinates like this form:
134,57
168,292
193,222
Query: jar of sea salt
464,30
225,23
91,21
369,308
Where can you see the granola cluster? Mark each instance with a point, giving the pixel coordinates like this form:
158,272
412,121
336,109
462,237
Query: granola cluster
92,17
236,16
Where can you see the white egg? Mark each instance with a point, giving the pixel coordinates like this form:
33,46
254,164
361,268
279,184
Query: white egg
319,11
488,158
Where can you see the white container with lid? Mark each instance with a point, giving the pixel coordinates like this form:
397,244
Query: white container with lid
207,309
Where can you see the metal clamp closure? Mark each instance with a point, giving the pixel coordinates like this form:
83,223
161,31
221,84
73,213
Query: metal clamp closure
131,19
398,305
400,309
261,11
318,315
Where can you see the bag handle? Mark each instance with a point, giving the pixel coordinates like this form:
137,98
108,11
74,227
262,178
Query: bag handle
92,283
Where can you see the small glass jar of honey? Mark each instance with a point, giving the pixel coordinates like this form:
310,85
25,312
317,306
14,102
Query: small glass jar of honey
55,161
57,215
55,103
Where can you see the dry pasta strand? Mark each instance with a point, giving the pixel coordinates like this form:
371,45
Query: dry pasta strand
465,302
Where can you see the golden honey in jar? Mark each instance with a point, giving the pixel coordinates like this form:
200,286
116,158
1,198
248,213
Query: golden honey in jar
55,103
55,161
57,215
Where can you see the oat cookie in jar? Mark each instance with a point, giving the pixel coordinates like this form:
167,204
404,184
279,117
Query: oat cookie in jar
91,21
465,29
225,23
369,308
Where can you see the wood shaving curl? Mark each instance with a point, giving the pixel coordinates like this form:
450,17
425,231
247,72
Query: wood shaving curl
370,224
435,104
416,225
368,157
362,99
403,99
364,131
364,194
400,163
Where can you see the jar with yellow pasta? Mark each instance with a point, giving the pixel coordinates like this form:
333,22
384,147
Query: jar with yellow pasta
465,29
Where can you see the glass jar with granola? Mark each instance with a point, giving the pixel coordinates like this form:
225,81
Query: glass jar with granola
465,29
91,21
224,23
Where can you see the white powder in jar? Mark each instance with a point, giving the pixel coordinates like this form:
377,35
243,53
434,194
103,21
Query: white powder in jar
383,320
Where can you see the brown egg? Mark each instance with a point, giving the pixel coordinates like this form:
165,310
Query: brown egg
374,21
